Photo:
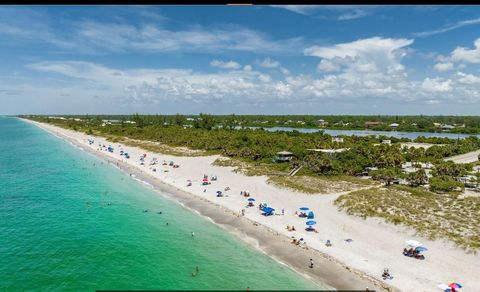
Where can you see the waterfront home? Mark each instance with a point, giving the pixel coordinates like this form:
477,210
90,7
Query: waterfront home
372,124
394,125
447,127
388,142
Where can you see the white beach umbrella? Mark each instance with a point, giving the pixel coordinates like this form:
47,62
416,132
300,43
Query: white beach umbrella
413,243
444,287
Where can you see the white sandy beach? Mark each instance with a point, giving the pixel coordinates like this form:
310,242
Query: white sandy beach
375,246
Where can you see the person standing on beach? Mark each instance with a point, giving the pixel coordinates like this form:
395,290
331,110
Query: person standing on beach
243,212
311,263
283,212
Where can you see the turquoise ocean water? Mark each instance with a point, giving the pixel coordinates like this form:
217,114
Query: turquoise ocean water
70,222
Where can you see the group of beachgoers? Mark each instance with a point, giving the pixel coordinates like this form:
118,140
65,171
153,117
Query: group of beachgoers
407,251
413,253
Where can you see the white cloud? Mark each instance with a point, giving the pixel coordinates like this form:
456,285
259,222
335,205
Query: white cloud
301,9
357,13
359,82
468,78
284,71
447,28
461,54
225,65
347,12
443,66
328,66
264,77
436,85
367,67
88,36
269,63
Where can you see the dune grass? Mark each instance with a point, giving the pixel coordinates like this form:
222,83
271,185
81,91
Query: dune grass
446,216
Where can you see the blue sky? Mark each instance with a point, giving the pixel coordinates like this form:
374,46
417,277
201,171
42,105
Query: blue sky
244,60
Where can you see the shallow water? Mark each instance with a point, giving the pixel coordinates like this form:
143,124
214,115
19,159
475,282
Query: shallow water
362,133
69,221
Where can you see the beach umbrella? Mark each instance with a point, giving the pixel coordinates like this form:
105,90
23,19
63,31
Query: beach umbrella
268,210
205,179
304,208
413,243
454,285
311,222
251,199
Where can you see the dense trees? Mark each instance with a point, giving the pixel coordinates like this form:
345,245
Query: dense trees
417,178
386,175
444,184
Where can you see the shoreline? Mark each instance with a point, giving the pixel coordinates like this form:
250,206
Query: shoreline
349,264
329,273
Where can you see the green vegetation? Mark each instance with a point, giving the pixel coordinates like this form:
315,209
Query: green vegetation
431,215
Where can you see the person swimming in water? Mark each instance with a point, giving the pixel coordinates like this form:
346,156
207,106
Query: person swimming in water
193,234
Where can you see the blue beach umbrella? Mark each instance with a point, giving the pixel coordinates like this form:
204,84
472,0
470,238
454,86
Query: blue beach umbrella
251,199
421,248
311,222
268,210
304,208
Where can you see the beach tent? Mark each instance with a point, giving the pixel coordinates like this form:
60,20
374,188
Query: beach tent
310,215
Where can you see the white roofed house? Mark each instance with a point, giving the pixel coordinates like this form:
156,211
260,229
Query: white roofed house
337,139
447,127
394,125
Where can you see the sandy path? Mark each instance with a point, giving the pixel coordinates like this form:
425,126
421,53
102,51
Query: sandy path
375,245
465,158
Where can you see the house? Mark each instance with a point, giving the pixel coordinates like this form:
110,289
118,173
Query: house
337,139
437,125
322,123
372,124
388,142
447,127
283,156
394,125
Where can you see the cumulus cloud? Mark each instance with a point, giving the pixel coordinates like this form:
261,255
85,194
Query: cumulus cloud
461,54
247,68
436,85
269,63
225,65
443,66
468,78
